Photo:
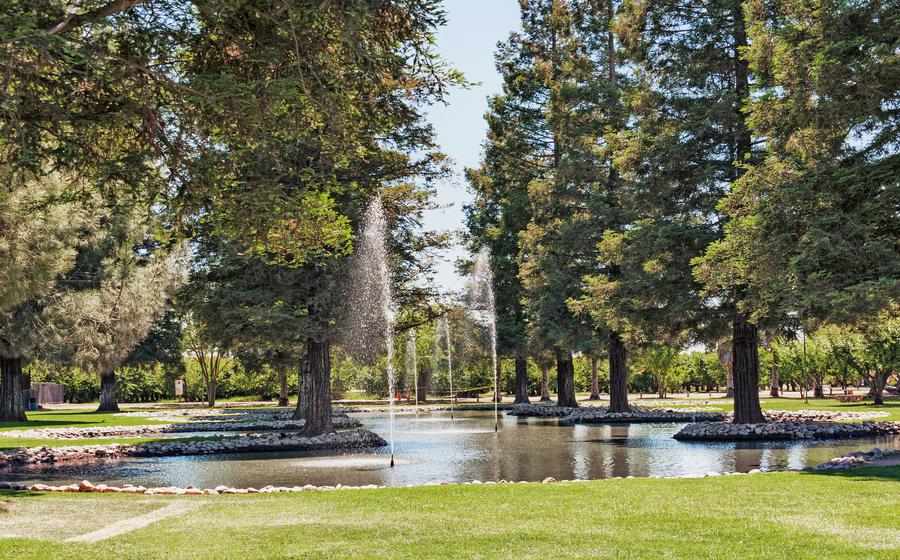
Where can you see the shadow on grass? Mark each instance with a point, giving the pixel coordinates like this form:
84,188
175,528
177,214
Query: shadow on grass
5,494
860,473
57,418
45,424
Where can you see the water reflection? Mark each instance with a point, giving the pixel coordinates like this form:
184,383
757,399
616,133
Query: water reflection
430,448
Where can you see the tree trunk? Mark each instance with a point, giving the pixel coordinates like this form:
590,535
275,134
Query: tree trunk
729,381
109,398
775,383
521,380
595,381
424,374
317,389
818,388
879,380
282,387
618,375
745,356
565,380
302,399
545,384
12,405
211,387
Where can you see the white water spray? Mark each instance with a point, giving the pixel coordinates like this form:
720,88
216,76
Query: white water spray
483,296
449,363
372,293
412,367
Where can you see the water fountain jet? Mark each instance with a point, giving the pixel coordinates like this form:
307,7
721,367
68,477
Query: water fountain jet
483,296
371,296
412,367
442,338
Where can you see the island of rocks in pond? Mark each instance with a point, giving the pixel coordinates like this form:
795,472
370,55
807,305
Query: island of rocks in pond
717,426
257,431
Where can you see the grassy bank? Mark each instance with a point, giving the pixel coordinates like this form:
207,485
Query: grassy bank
785,515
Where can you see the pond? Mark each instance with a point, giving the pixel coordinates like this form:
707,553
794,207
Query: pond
430,447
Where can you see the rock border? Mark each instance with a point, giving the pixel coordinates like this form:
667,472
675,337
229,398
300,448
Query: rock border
855,459
89,487
250,443
789,430
599,414
340,422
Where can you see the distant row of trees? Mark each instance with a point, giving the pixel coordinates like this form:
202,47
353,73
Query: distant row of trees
662,174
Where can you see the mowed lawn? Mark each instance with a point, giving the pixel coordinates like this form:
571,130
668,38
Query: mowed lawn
781,515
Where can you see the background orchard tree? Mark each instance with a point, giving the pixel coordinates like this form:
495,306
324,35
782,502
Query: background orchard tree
659,361
211,356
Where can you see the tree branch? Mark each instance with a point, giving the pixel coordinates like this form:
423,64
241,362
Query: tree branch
74,21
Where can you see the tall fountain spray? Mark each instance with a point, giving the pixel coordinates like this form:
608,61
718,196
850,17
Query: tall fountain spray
483,301
371,294
449,363
442,343
412,367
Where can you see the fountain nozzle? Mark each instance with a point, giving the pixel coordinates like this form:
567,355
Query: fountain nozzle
392,460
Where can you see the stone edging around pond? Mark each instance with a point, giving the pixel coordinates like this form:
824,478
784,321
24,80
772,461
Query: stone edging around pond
600,414
857,458
725,431
340,422
220,415
853,459
410,408
86,486
250,443
595,416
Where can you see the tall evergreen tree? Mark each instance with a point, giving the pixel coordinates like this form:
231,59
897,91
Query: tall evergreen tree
257,112
105,306
495,219
686,142
40,237
813,227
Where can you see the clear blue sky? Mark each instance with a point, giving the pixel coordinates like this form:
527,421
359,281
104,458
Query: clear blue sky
467,42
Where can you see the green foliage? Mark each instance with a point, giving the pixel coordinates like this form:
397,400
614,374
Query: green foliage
147,383
813,226
298,103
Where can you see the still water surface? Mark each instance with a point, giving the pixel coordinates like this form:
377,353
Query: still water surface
432,448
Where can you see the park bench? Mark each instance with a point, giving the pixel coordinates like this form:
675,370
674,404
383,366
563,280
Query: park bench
848,396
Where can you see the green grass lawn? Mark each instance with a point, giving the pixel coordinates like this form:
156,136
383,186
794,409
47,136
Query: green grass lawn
854,514
77,419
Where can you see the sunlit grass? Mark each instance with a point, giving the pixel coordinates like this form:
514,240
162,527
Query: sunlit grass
783,515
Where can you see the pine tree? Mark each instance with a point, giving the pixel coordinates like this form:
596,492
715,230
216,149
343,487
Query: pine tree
40,237
686,143
102,309
500,212
813,227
